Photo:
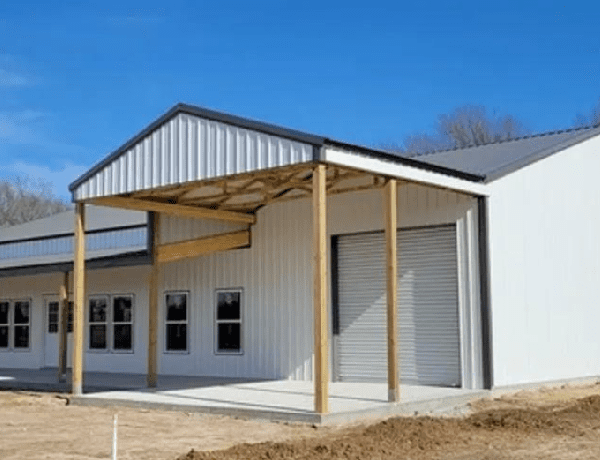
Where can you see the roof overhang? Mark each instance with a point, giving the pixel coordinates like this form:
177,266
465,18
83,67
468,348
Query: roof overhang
380,165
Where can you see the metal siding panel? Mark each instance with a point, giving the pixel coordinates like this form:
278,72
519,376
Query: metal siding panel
122,183
192,146
165,163
173,151
155,159
131,169
182,150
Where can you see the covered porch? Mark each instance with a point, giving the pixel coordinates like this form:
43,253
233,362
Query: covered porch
275,400
193,163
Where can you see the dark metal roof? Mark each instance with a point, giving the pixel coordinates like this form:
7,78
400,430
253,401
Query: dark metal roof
493,161
267,128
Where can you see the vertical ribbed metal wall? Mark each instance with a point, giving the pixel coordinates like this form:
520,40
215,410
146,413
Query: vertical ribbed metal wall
13,253
188,148
276,277
180,229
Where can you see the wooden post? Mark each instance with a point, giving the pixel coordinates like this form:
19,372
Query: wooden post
321,331
153,304
63,302
79,294
390,217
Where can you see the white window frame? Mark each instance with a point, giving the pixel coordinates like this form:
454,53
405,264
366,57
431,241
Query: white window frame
48,323
51,298
186,322
12,325
239,321
110,324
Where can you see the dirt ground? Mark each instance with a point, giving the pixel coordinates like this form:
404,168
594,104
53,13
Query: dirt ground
552,423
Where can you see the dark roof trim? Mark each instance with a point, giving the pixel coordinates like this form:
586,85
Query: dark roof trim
541,154
129,259
66,235
412,162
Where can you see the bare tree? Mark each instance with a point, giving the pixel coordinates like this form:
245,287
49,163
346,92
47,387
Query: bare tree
592,118
23,199
465,126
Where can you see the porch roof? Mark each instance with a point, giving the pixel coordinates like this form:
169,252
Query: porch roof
189,146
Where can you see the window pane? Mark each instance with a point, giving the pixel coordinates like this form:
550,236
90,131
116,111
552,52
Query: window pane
98,309
21,336
70,317
122,309
98,336
53,317
21,313
3,312
176,307
176,337
122,337
228,305
3,336
229,337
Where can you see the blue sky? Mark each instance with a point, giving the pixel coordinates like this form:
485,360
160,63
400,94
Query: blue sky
77,79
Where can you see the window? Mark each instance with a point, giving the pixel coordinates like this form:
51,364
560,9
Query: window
97,320
110,328
122,323
4,324
21,324
176,321
54,317
15,324
228,321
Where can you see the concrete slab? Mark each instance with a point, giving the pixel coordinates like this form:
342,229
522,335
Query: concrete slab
280,400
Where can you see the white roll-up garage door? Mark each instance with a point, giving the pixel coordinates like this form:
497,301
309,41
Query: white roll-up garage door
428,308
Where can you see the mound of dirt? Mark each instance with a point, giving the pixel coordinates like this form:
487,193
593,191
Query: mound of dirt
567,420
410,437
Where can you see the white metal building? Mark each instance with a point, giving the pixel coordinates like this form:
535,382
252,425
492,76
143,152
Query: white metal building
497,260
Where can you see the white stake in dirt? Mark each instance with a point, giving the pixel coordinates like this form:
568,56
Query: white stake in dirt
113,455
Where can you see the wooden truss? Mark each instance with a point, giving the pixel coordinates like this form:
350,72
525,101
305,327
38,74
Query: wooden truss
238,198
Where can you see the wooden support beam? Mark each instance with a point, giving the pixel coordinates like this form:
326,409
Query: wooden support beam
175,209
79,294
391,222
320,310
172,252
153,291
63,309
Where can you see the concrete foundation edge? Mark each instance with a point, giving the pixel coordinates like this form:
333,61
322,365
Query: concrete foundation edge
417,407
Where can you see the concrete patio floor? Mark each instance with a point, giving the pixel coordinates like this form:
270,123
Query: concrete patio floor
276,400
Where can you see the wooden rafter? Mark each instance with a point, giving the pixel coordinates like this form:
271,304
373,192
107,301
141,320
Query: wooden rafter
172,252
175,209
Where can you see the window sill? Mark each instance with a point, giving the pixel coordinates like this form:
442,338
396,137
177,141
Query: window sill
176,352
229,353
